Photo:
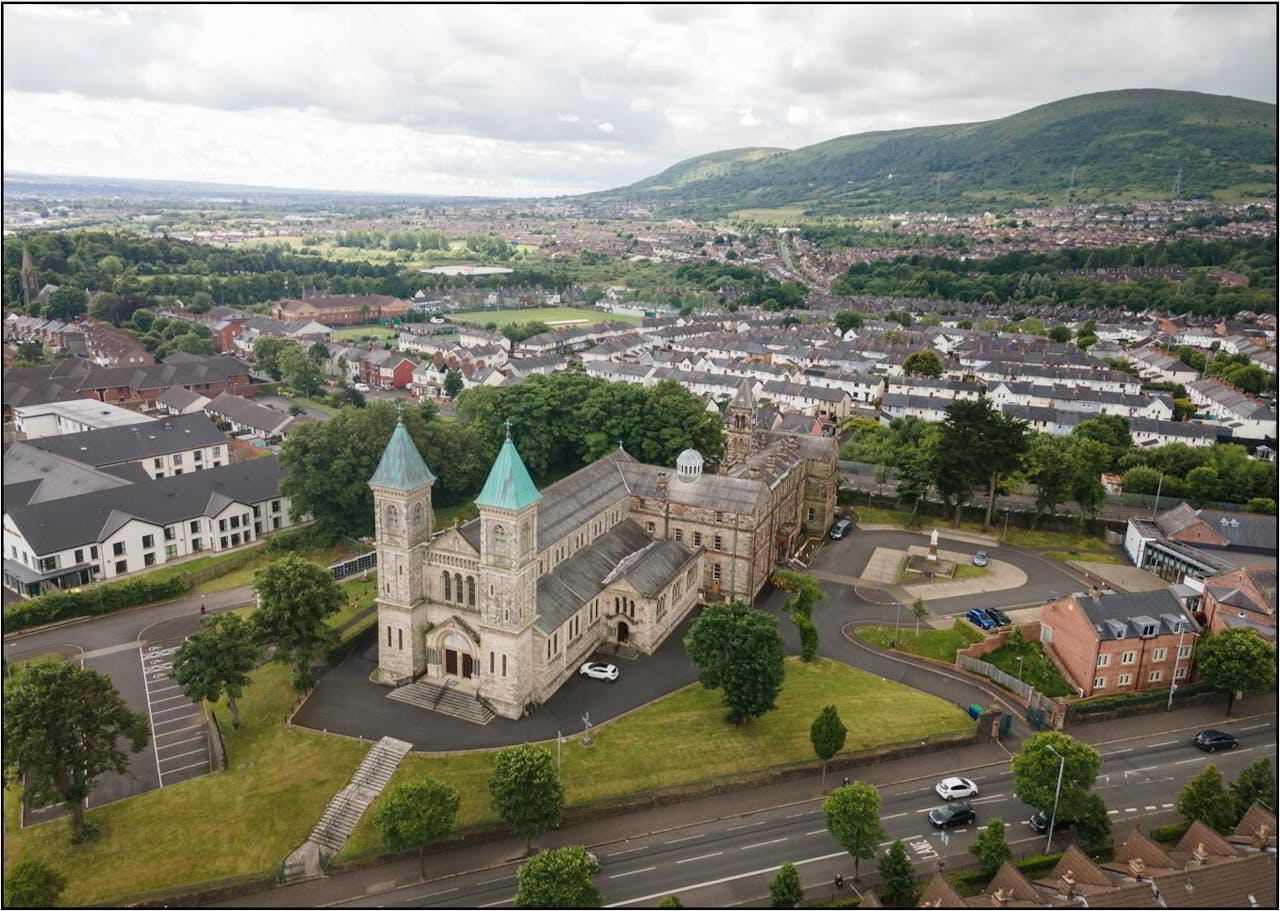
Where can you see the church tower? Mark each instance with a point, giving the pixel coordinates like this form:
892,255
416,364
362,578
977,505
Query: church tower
402,519
741,419
30,290
508,507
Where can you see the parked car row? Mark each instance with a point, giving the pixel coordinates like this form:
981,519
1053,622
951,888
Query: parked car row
988,618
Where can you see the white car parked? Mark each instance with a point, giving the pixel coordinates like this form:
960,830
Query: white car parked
362,387
956,788
598,670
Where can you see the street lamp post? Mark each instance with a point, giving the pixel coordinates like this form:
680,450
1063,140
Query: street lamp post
1062,764
1019,668
1177,656
1159,487
1005,535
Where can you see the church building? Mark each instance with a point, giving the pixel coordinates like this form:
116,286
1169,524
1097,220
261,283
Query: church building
506,607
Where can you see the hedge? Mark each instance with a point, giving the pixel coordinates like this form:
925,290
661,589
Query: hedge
60,605
1140,697
1170,834
972,882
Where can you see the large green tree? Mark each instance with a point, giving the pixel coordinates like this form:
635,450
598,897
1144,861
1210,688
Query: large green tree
217,659
1035,773
414,813
785,890
561,878
827,734
294,598
1093,826
805,593
266,354
1112,431
898,884
1047,467
299,370
923,363
1256,783
1206,798
1236,661
853,817
738,650
64,726
991,849
526,791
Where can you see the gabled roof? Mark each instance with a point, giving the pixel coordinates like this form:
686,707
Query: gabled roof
401,466
508,485
134,442
744,398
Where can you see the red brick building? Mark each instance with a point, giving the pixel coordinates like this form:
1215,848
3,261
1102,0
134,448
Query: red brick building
1241,598
1121,642
340,309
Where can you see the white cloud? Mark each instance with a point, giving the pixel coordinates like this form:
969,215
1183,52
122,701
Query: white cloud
437,98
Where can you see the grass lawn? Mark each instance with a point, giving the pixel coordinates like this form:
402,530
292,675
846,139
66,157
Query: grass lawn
969,571
1089,556
548,315
359,332
1079,547
358,594
243,575
1036,669
242,821
940,644
687,729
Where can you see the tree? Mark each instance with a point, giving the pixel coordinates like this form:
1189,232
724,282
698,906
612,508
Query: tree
806,593
1087,459
294,597
808,638
738,649
671,901
266,354
318,352
1264,505
67,303
923,363
827,735
849,319
991,849
1060,334
1112,431
785,890
415,813
217,659
1004,441
1046,466
526,791
1206,798
191,343
63,727
452,384
1202,483
562,878
898,885
853,816
1035,773
1093,826
299,371
919,610
33,884
1256,783
1235,661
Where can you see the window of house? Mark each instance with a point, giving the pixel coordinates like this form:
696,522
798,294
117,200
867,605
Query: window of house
196,544
46,564
157,463
79,556
400,639
148,540
222,525
649,527
257,510
504,665
275,505
222,542
715,572
719,517
388,636
177,471
1184,651
170,551
697,539
118,548
1127,658
1159,654
235,521
1099,683
678,534
1124,679
1155,676
812,513
275,521
718,543
177,458
1104,660
1180,673
93,551
195,525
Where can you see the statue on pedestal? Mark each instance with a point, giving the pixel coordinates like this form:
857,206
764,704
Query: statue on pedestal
933,545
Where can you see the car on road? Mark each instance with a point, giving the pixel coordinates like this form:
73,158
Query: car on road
999,616
957,813
840,527
980,558
1211,741
598,670
437,320
956,788
980,618
1040,822
362,387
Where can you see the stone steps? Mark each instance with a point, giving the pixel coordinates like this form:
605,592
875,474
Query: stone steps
443,699
343,812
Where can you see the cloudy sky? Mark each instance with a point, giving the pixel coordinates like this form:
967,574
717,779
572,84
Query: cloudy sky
511,100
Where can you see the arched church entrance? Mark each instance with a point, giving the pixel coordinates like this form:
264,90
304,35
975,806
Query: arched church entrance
458,660
624,631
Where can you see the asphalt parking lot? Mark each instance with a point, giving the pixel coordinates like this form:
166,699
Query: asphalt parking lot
179,739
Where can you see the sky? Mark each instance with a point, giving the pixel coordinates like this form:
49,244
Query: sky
497,100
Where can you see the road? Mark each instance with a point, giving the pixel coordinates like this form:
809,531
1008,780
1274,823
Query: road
729,862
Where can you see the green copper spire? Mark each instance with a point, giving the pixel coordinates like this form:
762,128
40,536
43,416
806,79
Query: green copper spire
401,467
509,485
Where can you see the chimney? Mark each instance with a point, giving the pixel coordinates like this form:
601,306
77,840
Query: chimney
1137,868
1068,884
662,482
999,897
1199,855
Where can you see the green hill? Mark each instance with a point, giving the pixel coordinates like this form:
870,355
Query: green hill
1123,146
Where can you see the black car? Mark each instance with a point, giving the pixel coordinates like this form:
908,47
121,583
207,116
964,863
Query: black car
1040,822
1211,741
840,527
1001,618
958,813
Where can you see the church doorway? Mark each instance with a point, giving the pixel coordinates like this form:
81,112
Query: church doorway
458,661
624,631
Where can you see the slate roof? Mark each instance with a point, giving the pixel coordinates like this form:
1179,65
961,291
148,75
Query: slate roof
34,475
1122,616
401,466
91,517
625,552
132,443
242,411
179,398
508,485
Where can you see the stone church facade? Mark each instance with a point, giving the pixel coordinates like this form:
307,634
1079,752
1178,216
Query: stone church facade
509,605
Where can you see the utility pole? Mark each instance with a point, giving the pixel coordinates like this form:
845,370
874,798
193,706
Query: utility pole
1177,656
1159,487
1062,764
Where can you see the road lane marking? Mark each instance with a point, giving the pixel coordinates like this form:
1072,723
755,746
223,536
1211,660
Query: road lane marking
1117,752
1109,813
505,901
761,844
184,755
168,698
1163,743
1131,809
724,879
816,832
428,895
992,797
185,767
689,860
483,882
746,825
627,851
1252,726
1193,759
675,841
894,816
1150,807
632,872
1166,805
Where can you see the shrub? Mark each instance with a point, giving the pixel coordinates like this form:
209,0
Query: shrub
103,599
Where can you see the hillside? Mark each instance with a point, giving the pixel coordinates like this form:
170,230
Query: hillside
1123,146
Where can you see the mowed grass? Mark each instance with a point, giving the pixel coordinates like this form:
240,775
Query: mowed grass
358,332
939,644
1056,543
241,821
548,315
683,738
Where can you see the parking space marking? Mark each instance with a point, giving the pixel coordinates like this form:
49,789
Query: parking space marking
174,746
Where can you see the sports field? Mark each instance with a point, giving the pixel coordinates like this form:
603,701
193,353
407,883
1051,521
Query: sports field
356,332
552,316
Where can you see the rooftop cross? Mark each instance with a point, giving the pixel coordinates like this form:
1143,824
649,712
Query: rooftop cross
507,424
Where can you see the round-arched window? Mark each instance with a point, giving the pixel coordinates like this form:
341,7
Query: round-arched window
457,642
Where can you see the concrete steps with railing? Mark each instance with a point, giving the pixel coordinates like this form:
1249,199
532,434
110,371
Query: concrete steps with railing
446,700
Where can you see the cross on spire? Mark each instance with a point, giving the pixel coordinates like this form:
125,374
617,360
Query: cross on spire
507,424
